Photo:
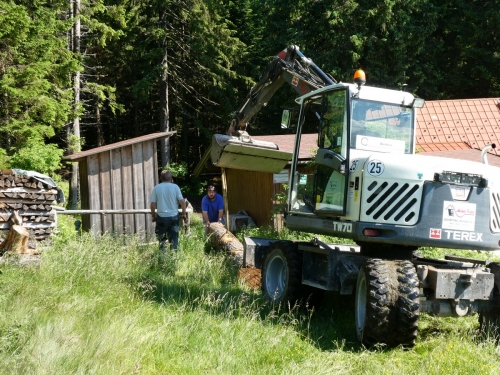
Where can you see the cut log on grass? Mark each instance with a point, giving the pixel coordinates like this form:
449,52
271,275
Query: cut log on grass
223,240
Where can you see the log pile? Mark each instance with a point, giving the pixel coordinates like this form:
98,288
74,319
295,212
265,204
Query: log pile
32,200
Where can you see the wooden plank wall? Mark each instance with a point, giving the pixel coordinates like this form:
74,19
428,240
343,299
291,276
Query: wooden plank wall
150,164
255,193
94,192
116,190
121,179
106,192
126,192
252,192
84,186
137,186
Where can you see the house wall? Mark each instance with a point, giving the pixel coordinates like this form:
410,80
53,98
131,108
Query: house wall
121,178
252,192
255,193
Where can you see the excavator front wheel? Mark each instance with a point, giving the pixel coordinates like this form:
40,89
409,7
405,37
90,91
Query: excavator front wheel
387,303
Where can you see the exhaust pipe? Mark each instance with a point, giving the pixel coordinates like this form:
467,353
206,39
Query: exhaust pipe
485,150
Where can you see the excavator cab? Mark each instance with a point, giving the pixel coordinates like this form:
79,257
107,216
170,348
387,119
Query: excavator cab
351,124
348,117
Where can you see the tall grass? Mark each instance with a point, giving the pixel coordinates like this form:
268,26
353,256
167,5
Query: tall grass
111,305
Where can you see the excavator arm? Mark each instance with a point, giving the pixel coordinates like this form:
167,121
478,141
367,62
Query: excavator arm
237,150
291,66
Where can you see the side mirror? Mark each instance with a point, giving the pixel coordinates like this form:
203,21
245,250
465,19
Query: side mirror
285,119
418,103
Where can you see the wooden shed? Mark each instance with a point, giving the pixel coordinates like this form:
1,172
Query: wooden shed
256,192
119,176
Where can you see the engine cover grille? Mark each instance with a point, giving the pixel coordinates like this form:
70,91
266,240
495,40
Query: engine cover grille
495,212
391,202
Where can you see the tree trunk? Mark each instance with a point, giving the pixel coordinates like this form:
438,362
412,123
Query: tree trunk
222,239
74,137
185,135
100,132
164,125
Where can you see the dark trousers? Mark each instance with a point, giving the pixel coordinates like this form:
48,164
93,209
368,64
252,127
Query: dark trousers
167,228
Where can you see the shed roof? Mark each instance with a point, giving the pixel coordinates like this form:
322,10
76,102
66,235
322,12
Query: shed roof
83,154
286,142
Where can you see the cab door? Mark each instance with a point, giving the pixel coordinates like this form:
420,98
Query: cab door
330,185
320,186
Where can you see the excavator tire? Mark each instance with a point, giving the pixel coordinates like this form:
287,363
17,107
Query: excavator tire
408,304
282,273
489,325
489,322
387,303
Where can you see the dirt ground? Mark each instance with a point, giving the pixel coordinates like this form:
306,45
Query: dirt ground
251,276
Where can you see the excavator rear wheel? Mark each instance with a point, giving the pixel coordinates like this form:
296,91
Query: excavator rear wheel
282,273
387,303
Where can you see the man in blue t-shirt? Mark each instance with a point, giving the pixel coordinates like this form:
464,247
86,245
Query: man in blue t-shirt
212,207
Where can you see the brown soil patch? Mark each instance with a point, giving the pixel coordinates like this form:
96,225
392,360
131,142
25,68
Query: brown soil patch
251,276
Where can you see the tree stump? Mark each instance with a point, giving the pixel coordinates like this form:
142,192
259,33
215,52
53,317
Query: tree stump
17,240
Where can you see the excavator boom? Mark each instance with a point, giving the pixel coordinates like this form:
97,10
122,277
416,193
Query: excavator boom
290,66
238,150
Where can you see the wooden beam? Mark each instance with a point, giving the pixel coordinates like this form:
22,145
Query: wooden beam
224,194
104,212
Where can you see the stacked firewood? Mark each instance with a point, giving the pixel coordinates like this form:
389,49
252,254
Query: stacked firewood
29,198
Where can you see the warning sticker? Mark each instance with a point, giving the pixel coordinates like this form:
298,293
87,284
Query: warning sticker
459,215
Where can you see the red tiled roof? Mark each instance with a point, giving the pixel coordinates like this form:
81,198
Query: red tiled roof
475,122
433,147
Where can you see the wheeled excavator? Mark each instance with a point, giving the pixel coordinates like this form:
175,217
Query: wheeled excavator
366,183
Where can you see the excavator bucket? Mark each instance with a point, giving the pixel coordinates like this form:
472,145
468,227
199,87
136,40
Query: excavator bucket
247,154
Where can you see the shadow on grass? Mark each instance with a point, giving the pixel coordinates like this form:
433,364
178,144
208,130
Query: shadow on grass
328,326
